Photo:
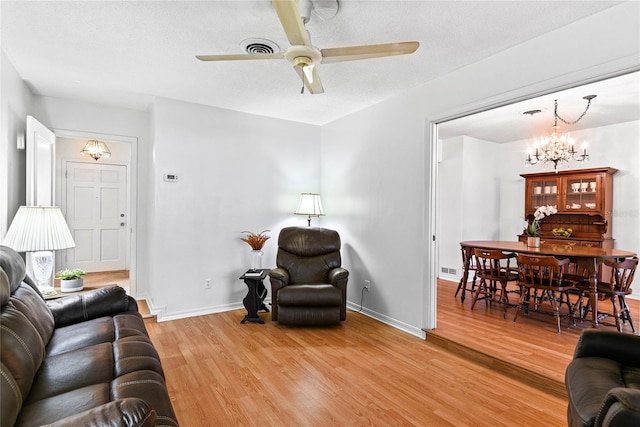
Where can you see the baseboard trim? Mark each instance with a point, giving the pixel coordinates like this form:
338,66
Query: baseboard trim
387,320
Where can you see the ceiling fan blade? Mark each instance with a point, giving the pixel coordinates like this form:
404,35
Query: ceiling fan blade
315,87
240,57
292,23
351,53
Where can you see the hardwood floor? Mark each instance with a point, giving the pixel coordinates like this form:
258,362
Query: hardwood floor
475,369
529,349
362,372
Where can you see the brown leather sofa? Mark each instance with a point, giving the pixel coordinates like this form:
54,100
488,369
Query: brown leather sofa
82,360
603,380
309,286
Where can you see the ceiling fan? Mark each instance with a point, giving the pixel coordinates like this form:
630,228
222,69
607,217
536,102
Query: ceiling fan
304,56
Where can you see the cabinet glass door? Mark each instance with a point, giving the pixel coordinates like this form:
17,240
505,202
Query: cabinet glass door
544,192
582,193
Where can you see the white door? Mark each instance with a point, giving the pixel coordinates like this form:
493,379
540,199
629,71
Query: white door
97,216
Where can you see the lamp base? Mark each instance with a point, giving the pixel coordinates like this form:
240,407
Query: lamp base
42,269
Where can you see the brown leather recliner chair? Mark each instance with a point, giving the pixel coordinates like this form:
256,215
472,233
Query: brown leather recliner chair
309,286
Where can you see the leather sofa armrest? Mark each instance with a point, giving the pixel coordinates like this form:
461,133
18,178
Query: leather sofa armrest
129,412
106,301
623,348
338,274
621,407
279,277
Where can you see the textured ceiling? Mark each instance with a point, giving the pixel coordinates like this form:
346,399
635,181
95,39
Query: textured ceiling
123,53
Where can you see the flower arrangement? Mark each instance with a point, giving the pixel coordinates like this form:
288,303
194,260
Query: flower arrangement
70,274
533,229
255,240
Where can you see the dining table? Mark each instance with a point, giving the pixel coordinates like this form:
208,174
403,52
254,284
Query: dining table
588,257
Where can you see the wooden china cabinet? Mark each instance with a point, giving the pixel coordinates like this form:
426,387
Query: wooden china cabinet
584,199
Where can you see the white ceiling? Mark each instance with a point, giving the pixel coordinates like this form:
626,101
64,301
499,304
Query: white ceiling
124,53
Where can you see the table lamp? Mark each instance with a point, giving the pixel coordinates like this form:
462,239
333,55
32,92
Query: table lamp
39,230
311,205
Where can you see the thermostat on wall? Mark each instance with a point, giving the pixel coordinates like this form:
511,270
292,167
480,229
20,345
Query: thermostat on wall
170,177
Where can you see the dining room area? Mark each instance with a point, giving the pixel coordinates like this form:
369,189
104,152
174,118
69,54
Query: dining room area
552,180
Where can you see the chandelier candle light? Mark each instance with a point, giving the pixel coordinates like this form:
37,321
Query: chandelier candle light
559,146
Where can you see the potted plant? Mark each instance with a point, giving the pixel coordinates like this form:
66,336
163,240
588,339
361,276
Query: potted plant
533,228
256,241
71,280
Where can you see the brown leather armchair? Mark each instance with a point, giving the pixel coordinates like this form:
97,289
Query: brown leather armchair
309,286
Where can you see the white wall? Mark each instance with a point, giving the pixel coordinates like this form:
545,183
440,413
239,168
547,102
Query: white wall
375,162
469,190
236,172
15,104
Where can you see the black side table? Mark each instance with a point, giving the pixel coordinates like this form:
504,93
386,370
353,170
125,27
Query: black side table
256,294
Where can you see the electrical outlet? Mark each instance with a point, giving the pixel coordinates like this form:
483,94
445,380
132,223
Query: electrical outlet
367,285
207,283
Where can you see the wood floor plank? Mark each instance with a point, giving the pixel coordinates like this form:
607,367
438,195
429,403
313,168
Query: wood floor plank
362,372
530,348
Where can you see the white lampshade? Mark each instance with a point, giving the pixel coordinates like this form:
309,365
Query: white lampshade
38,228
310,205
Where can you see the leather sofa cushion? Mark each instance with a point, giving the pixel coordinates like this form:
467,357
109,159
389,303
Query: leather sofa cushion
72,370
22,348
30,303
631,377
51,409
588,390
151,386
135,354
96,331
319,295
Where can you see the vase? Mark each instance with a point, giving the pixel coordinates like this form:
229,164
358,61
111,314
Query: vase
533,241
71,285
255,259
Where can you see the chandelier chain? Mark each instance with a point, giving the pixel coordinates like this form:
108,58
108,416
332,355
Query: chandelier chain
569,122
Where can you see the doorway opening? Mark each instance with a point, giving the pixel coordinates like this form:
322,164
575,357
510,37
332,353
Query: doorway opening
480,196
98,200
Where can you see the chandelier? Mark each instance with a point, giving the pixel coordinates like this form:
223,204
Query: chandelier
559,146
96,149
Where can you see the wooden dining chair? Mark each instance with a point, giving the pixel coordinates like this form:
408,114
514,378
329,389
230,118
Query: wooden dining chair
494,266
469,263
622,273
544,274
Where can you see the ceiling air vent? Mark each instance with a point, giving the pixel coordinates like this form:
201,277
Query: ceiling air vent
259,46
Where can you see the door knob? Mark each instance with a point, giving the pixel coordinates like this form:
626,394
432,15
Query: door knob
122,224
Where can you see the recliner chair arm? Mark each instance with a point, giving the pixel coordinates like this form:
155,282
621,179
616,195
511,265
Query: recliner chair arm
279,277
623,348
621,407
128,412
338,274
91,305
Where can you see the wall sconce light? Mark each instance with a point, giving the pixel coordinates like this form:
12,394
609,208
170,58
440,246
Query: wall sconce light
96,149
41,230
311,205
